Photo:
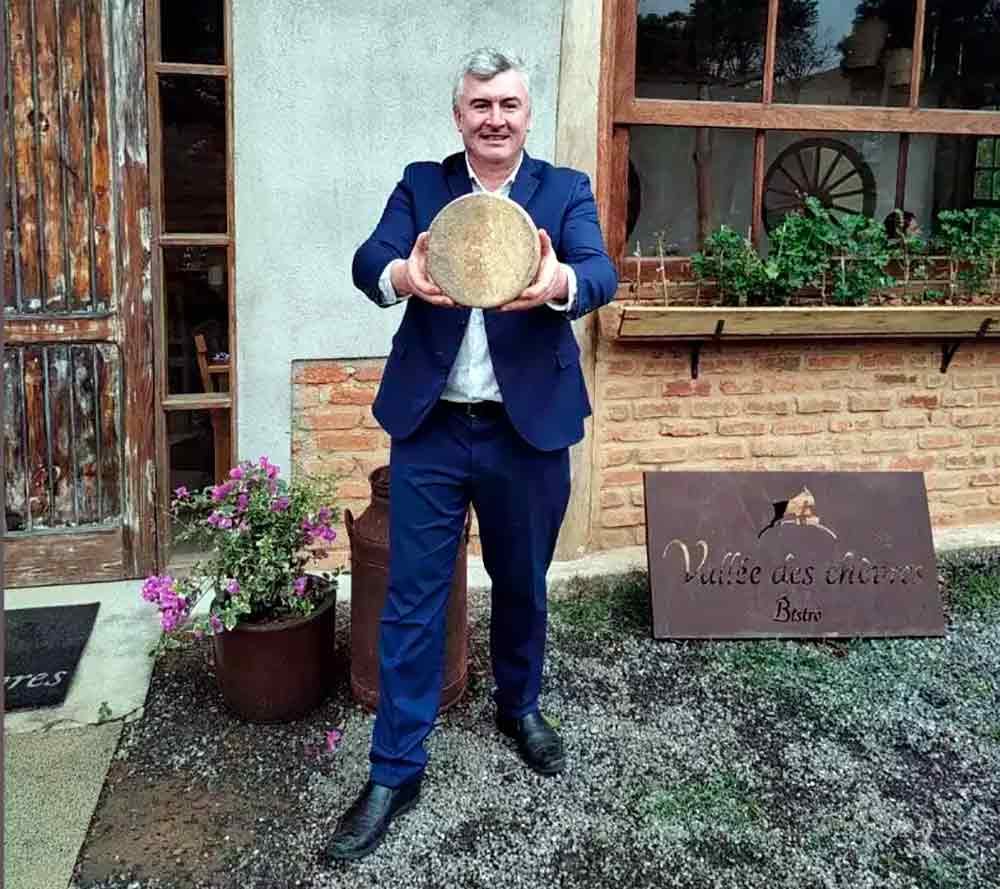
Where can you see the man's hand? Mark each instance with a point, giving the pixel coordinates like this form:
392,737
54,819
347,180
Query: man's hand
410,277
550,282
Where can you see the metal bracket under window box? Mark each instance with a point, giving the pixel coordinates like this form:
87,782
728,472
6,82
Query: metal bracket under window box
948,350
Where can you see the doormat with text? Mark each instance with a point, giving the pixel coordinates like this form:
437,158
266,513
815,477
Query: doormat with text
43,649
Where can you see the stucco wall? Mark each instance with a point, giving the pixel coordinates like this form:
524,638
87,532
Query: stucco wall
332,99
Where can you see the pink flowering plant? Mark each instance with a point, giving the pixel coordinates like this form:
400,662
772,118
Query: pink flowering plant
261,531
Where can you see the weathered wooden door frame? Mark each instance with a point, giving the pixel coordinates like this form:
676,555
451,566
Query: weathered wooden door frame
129,550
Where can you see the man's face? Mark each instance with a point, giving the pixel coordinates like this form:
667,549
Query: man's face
493,117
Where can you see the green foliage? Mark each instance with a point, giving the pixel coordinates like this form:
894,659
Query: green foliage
863,253
731,260
846,257
722,800
603,606
261,532
971,238
977,593
801,249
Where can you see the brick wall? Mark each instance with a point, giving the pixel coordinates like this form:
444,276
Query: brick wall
824,406
820,406
334,432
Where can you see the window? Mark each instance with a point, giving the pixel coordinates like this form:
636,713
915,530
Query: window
190,95
733,112
986,185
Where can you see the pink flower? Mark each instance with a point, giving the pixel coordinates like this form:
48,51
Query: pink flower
221,492
215,624
151,588
325,514
163,592
300,585
236,472
181,493
233,587
242,502
333,738
280,504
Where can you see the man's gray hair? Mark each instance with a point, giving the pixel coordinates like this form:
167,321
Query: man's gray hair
485,64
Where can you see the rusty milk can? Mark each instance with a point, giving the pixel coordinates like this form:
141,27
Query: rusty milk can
369,536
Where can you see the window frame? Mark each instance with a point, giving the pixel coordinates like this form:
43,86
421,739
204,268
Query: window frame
994,170
620,109
225,402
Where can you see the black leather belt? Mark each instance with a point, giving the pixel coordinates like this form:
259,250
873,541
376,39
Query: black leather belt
480,410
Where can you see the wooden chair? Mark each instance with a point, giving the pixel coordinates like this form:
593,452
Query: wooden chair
215,378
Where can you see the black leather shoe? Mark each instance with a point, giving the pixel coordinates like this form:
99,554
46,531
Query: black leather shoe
537,742
364,824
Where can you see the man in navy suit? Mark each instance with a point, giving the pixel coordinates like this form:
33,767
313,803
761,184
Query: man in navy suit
481,408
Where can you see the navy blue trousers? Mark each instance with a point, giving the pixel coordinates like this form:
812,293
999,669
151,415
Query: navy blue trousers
520,496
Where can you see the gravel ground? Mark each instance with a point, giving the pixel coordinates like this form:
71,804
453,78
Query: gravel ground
854,764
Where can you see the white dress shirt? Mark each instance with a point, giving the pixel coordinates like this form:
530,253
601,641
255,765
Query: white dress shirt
472,377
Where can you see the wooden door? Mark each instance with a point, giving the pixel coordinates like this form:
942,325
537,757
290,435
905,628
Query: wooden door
78,395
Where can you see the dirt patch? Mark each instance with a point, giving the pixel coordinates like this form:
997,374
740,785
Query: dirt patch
165,829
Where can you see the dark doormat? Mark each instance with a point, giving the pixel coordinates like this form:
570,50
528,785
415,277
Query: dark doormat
43,648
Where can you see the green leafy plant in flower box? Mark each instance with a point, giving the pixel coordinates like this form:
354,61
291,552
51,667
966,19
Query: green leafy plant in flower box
731,261
971,240
846,260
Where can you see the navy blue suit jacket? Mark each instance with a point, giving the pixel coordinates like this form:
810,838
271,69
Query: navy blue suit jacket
535,355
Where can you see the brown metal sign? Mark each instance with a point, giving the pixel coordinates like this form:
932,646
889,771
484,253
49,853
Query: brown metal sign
802,554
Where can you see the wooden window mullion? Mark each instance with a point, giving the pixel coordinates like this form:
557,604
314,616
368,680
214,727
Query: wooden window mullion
626,36
760,136
916,67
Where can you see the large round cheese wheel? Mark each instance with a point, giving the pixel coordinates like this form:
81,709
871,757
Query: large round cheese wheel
483,250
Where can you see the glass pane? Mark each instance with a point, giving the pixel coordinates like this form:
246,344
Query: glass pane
685,179
193,438
197,314
983,189
690,49
941,174
984,153
846,172
961,62
194,153
192,31
831,52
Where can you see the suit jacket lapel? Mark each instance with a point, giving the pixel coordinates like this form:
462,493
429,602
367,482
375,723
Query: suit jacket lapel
526,181
458,176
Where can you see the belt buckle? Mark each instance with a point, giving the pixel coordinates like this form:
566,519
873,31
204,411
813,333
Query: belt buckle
470,409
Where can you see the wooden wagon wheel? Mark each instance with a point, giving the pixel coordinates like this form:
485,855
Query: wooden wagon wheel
827,169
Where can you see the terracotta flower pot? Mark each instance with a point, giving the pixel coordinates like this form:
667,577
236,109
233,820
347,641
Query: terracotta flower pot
280,670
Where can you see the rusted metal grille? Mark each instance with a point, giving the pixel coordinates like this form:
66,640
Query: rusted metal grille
57,162
62,436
